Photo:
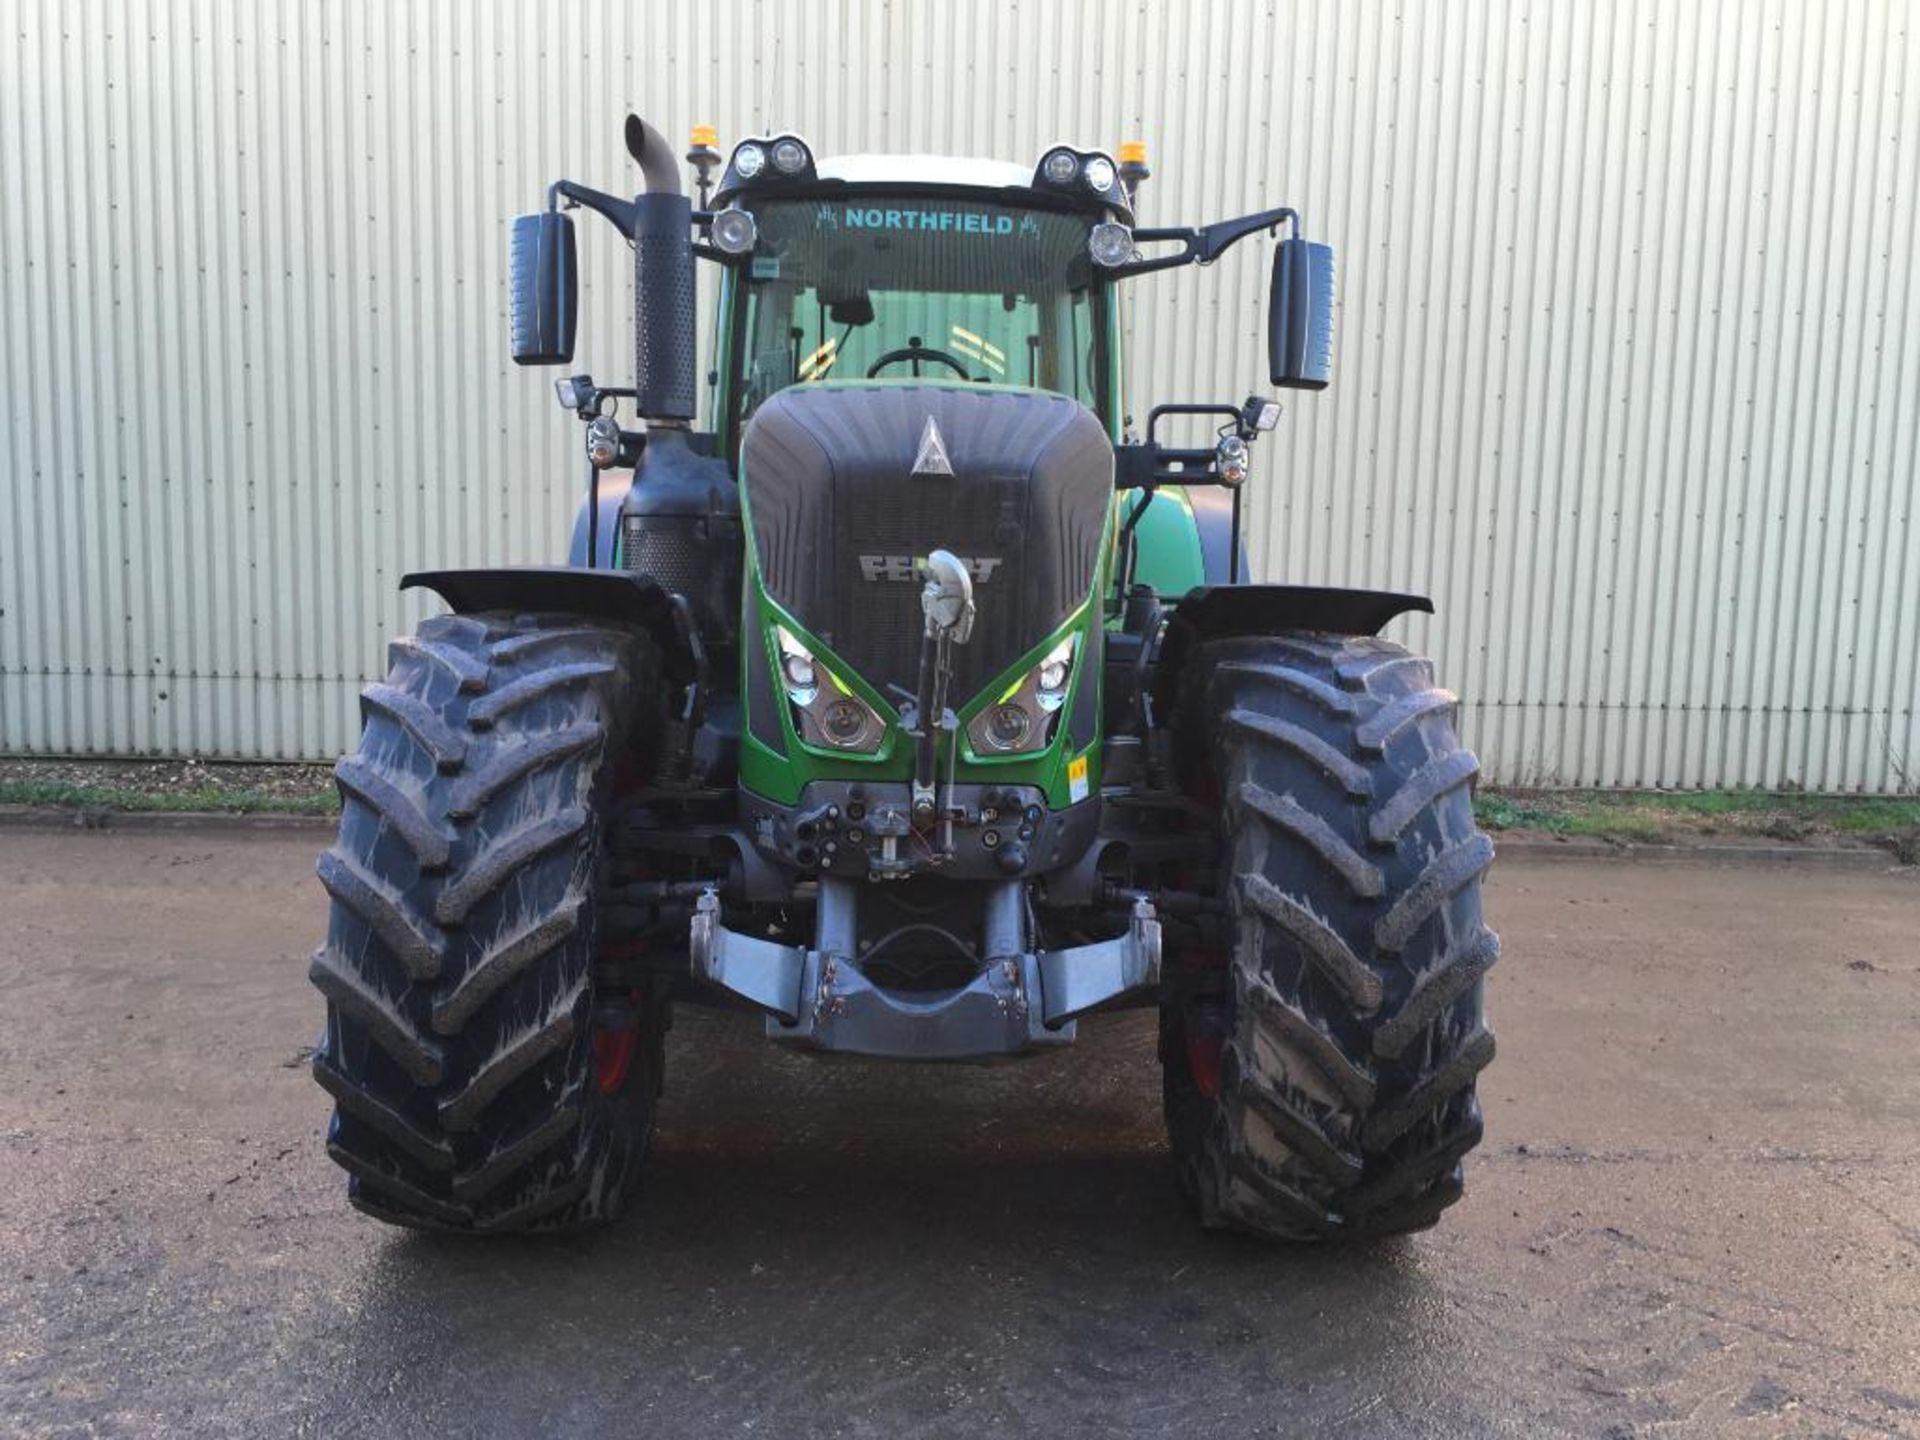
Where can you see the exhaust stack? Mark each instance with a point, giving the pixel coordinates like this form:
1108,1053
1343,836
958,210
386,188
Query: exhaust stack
663,319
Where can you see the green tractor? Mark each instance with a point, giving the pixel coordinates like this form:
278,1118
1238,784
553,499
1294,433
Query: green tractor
918,707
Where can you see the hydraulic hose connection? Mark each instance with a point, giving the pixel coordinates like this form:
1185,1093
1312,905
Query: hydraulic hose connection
947,603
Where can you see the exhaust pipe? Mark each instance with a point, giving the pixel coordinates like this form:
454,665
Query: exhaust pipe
649,150
663,318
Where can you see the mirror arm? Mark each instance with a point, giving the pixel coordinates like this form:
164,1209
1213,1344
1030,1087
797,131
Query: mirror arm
1183,256
1206,244
1153,417
1215,238
621,212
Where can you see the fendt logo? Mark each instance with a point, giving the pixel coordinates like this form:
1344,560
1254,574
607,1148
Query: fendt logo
905,569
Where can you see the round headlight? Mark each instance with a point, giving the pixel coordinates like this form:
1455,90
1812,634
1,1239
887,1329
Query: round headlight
749,161
798,669
789,156
1099,173
1109,244
1060,167
1230,460
1007,727
603,441
844,722
1050,676
733,231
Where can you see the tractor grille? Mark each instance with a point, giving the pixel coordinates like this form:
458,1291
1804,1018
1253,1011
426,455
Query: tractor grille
839,519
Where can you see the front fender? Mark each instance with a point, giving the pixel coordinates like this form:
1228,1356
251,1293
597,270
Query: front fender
1219,612
567,590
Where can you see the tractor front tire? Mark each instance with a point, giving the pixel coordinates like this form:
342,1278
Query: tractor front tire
1319,1079
481,1079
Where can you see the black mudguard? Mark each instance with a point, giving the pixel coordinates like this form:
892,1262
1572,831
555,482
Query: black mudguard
567,590
1219,612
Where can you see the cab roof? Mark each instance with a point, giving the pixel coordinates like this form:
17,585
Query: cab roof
1006,181
926,170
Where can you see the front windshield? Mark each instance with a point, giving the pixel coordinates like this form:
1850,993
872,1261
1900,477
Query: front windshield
896,287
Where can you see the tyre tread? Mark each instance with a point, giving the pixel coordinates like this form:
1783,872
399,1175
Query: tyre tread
1300,682
1322,944
489,708
510,765
1446,874
1432,782
360,781
459,970
1343,768
503,960
517,1053
345,988
1353,1031
1311,829
497,860
1440,1083
381,911
469,671
413,715
1378,730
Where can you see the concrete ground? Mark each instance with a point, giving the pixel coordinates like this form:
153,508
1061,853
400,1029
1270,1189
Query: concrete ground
1697,1209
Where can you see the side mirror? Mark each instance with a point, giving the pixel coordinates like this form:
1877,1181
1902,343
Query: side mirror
1300,315
544,280
851,310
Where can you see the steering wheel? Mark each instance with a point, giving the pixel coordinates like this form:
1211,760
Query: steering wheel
916,352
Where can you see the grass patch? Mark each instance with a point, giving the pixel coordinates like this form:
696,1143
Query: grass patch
1497,811
1892,823
68,795
1628,816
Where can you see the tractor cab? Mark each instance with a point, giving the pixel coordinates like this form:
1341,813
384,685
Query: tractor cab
910,268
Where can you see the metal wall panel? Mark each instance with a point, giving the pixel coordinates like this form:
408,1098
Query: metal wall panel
1628,371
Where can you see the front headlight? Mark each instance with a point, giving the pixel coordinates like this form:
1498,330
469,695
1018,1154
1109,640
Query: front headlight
1051,675
1110,244
825,712
734,231
1230,461
849,725
1061,166
748,161
796,669
1005,727
1024,719
789,156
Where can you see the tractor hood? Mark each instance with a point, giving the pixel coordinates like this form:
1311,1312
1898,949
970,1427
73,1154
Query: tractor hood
850,485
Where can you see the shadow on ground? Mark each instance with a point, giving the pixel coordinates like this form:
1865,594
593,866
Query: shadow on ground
895,1250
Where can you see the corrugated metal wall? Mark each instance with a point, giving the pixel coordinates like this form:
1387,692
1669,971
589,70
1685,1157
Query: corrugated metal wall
1628,378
